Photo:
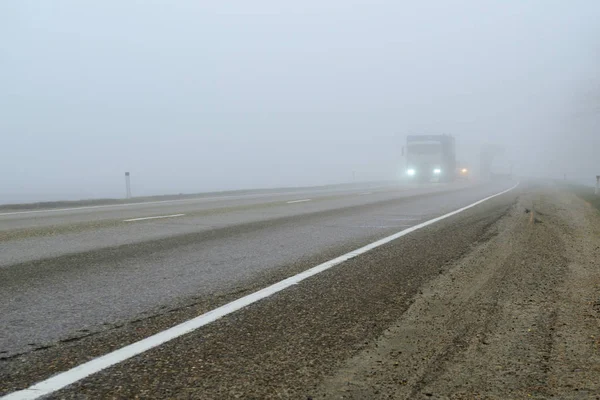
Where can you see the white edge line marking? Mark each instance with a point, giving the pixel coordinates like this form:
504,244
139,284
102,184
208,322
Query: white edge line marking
157,217
298,201
96,365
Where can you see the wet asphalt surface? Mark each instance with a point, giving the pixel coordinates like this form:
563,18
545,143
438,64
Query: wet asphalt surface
59,311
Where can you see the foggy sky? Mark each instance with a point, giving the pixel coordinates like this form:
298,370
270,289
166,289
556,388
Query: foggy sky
207,95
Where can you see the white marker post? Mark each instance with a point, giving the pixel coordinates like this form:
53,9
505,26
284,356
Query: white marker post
598,184
127,185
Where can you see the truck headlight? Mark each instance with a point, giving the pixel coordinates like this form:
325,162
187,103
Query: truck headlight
437,171
411,172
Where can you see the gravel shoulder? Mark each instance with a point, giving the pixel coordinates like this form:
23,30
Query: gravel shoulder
517,317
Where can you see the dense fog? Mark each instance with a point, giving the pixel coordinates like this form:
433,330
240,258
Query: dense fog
194,96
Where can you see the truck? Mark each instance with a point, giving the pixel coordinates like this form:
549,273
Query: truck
431,158
495,163
501,168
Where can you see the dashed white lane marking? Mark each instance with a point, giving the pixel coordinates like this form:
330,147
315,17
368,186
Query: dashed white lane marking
365,193
298,201
82,371
381,226
157,217
191,200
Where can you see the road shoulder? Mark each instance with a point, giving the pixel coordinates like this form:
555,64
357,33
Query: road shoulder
518,317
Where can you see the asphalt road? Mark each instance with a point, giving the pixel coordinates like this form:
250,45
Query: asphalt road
34,235
76,275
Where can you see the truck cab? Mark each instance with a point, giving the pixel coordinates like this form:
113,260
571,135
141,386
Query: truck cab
430,158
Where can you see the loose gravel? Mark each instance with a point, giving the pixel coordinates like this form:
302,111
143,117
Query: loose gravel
516,318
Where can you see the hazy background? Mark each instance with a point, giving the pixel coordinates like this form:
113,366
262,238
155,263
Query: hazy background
207,95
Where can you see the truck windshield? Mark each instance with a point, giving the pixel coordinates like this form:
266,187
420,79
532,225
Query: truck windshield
424,148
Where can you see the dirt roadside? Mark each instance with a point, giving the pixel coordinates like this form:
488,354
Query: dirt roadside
518,317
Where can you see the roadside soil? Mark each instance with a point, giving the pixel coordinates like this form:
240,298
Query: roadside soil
516,318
